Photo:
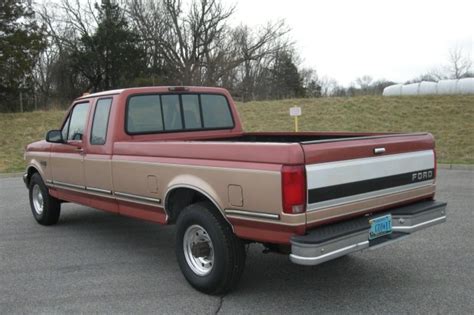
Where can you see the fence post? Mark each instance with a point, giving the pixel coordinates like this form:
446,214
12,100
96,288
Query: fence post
21,101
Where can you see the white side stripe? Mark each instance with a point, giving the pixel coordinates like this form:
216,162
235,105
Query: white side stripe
341,172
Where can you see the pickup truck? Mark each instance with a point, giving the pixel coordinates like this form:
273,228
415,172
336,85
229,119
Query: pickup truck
179,155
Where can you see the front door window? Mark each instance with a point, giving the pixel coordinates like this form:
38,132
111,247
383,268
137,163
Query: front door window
78,121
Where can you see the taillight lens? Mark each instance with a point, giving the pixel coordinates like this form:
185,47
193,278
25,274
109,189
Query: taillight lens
293,185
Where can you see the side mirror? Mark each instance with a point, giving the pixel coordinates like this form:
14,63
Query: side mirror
54,136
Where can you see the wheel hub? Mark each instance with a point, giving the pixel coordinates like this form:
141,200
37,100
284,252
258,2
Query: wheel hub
38,201
201,249
198,250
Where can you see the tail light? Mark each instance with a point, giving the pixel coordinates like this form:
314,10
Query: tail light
293,185
435,165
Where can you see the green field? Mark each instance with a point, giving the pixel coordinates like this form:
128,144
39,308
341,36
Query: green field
449,118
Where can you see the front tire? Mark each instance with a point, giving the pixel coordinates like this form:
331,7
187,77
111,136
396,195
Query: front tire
211,257
45,208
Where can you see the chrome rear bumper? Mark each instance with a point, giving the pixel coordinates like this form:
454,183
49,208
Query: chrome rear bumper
339,239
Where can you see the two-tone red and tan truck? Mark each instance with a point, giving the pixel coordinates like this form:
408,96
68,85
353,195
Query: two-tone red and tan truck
178,155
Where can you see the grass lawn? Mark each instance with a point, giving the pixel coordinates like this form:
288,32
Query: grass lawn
18,130
449,118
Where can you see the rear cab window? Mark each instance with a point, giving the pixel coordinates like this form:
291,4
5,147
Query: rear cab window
191,111
157,113
171,112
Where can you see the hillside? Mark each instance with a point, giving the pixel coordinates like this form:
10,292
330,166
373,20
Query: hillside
449,118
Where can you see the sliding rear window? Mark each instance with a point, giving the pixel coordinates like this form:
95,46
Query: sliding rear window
156,113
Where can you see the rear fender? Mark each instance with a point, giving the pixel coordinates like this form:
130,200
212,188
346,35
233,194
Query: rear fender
197,184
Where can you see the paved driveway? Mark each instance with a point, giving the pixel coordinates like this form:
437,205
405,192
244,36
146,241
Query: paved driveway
98,262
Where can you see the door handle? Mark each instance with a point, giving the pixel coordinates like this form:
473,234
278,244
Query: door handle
80,151
379,150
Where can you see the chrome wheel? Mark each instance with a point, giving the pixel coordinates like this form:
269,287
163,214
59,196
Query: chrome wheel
198,250
38,201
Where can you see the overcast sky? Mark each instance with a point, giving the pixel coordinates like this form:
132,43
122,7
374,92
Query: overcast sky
396,40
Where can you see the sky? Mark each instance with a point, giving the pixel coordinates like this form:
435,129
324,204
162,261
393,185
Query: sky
393,40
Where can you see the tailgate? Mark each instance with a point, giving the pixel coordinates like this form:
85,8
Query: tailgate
352,177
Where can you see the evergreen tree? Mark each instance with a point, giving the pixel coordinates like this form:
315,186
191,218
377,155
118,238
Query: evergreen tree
111,57
286,79
21,41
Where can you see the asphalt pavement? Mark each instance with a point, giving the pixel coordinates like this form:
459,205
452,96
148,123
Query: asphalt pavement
96,262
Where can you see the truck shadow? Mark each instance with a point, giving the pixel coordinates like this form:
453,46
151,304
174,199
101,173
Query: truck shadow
365,276
92,228
265,274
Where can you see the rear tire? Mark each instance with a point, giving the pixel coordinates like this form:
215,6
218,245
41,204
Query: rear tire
211,257
45,208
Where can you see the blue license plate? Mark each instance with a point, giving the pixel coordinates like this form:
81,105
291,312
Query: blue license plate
380,226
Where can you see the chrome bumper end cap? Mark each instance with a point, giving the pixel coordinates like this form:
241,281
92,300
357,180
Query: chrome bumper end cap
316,260
25,179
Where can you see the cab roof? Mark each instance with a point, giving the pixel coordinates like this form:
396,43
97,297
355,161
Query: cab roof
155,89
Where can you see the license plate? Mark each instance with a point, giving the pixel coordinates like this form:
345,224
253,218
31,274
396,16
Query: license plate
380,226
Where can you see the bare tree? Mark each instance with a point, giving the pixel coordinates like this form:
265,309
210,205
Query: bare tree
364,81
50,74
151,21
460,63
67,22
328,86
43,75
198,47
181,43
257,51
191,36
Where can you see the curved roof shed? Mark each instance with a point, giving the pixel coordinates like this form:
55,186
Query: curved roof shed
447,86
466,86
393,90
410,89
428,88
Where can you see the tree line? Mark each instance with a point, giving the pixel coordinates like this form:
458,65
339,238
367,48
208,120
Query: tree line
61,50
55,52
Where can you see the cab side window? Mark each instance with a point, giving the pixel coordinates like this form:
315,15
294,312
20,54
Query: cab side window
144,114
77,122
215,112
101,121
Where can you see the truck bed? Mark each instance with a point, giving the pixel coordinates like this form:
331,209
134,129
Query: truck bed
285,137
279,147
346,175
308,137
